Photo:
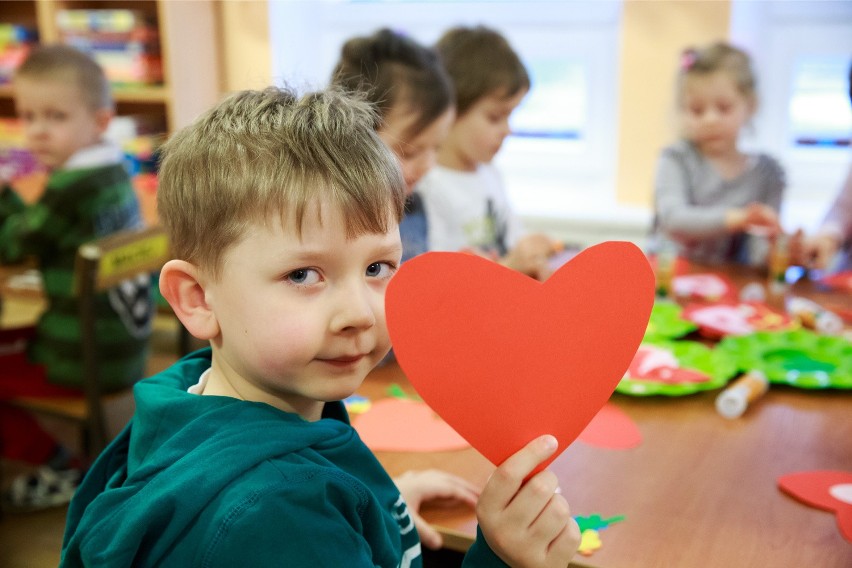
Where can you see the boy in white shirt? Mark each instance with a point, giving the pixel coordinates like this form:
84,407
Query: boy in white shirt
465,200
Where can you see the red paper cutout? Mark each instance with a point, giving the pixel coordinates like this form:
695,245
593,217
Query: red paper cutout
824,489
400,425
736,318
504,358
709,287
653,363
611,428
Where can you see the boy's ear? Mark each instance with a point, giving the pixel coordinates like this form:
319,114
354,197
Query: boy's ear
102,118
752,105
182,286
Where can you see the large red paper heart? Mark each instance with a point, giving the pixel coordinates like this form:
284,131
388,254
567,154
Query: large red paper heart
504,358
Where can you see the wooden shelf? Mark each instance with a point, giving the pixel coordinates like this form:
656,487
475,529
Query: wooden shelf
142,94
188,46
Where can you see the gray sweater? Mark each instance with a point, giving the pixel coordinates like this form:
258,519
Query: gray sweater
691,199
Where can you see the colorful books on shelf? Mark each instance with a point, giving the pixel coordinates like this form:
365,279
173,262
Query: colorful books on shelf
15,42
124,42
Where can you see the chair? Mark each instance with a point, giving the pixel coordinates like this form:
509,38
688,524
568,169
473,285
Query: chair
100,265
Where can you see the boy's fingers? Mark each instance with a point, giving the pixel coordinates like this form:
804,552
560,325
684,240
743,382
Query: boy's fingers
567,542
553,517
428,535
508,478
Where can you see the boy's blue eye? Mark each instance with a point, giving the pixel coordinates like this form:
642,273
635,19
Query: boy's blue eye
303,276
379,270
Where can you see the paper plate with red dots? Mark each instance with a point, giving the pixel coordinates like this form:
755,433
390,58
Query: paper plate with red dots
676,368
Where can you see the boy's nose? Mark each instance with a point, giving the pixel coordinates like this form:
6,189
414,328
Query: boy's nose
35,128
354,310
711,116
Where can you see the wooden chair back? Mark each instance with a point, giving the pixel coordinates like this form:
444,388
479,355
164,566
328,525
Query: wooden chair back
100,265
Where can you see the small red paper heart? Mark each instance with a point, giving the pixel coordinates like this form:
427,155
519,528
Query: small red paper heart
829,490
611,428
400,425
504,358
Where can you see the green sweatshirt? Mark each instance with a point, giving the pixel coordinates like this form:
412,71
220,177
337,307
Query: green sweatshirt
79,205
216,481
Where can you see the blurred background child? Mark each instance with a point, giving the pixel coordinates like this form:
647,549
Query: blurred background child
63,100
708,193
466,202
835,233
407,85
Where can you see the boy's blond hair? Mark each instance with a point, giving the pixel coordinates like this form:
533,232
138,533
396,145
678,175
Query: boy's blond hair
481,63
61,63
262,153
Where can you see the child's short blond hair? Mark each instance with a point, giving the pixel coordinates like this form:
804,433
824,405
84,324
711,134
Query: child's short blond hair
481,63
261,153
65,64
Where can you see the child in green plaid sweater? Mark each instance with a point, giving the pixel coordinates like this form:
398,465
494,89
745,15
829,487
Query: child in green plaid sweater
63,100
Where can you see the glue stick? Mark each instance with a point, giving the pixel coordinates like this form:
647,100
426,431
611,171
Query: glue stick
666,259
733,401
814,316
779,261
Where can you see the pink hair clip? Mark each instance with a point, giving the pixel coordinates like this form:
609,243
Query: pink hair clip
687,59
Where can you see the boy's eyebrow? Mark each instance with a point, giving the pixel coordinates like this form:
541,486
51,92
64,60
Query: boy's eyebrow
389,250
312,254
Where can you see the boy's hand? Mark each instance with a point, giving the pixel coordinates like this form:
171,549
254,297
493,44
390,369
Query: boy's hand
820,249
531,256
528,524
753,216
418,487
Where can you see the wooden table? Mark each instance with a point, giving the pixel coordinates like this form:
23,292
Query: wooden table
699,491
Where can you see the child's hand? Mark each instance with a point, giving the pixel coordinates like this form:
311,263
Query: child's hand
531,256
753,216
820,249
418,487
528,524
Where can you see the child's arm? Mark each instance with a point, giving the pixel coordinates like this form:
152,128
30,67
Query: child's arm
418,487
11,206
677,213
527,523
30,230
835,229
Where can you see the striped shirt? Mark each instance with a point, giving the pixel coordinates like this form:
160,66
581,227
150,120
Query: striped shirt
79,205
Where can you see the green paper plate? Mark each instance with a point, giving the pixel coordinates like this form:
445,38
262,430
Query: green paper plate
690,355
666,322
800,358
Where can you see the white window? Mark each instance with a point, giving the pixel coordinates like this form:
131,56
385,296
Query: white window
802,53
820,111
564,149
